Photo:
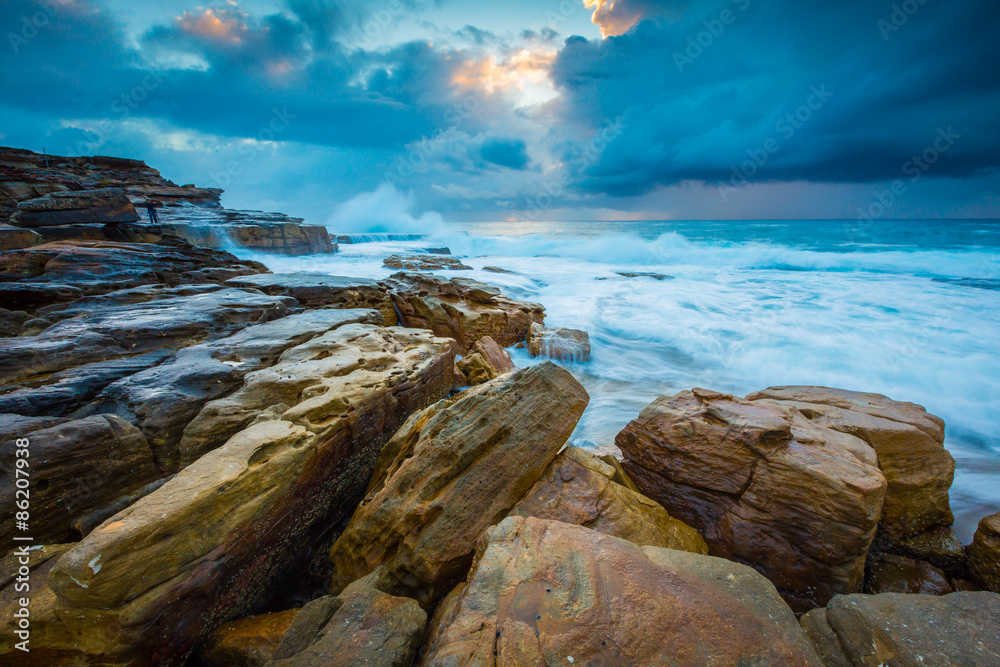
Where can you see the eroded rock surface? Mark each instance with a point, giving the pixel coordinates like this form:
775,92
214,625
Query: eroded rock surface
464,309
453,470
317,290
545,592
763,485
248,642
107,206
579,488
428,262
485,361
984,554
562,344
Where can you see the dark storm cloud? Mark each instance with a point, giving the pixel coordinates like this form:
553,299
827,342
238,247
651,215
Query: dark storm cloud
746,90
510,153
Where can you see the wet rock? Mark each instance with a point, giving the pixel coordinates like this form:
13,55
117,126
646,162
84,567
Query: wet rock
763,485
364,625
248,642
100,267
889,573
497,269
87,522
938,546
429,262
107,206
35,295
485,361
909,444
19,426
164,399
562,344
316,290
544,592
578,488
220,538
895,629
27,555
12,322
620,476
984,554
453,470
463,309
74,467
15,238
654,276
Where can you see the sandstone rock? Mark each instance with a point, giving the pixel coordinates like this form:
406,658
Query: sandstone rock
26,555
15,238
107,206
100,267
317,290
763,485
485,361
620,475
497,269
167,320
563,344
248,642
430,262
164,399
900,630
88,521
74,467
37,295
938,546
984,554
463,309
365,625
220,538
450,472
578,488
909,444
12,322
889,573
544,592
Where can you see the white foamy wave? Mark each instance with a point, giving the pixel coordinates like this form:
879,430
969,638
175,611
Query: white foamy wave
385,210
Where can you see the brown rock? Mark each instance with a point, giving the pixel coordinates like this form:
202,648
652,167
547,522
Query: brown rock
889,573
107,206
562,344
430,262
450,472
544,592
909,444
365,625
578,488
485,361
317,290
248,642
899,630
938,546
620,475
220,538
984,554
463,309
74,467
763,485
15,238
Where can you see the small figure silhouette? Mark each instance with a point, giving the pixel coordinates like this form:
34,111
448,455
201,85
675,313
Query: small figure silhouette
151,210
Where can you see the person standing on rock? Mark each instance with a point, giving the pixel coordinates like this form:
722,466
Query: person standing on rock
151,205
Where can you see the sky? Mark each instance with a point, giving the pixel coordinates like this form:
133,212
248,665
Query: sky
525,109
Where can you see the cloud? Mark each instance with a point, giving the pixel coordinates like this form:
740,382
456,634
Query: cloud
510,153
616,17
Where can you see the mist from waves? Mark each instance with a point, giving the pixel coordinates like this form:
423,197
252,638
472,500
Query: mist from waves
738,307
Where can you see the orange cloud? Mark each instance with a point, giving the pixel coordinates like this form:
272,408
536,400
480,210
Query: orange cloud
524,68
220,28
616,17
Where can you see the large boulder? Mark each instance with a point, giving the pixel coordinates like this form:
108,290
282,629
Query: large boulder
164,399
452,471
318,290
73,467
107,206
579,488
899,630
464,309
219,539
364,625
984,554
909,444
544,592
485,361
763,485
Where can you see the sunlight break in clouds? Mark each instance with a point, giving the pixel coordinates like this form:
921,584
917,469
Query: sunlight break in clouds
616,17
224,28
526,72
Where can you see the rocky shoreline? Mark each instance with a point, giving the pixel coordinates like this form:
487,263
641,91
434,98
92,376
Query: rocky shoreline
234,467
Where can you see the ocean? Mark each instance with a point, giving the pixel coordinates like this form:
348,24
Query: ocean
909,309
